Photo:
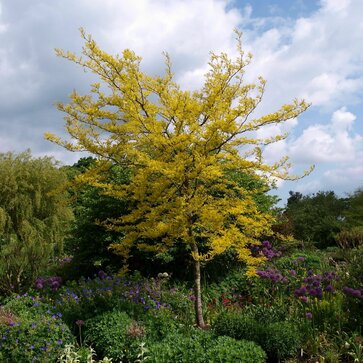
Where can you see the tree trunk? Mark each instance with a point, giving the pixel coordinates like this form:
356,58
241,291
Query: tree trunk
198,292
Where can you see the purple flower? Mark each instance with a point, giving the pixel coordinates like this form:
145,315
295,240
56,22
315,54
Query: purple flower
79,322
328,276
353,292
309,315
301,291
319,293
266,250
292,273
329,288
54,282
192,298
273,275
102,275
39,283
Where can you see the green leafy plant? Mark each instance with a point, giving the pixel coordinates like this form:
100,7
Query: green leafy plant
181,348
238,326
280,339
37,332
351,238
71,354
159,323
225,350
115,335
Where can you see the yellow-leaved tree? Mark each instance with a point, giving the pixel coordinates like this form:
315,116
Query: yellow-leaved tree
180,147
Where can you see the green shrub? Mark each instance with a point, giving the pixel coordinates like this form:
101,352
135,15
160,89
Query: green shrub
329,315
201,347
282,340
88,298
350,239
279,339
159,324
115,335
180,304
238,326
355,268
226,350
266,314
25,306
312,261
31,332
354,279
181,348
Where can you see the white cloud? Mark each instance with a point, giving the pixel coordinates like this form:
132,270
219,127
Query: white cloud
348,178
342,119
318,57
327,143
335,5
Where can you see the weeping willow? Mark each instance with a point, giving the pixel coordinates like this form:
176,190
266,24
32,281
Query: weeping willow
34,214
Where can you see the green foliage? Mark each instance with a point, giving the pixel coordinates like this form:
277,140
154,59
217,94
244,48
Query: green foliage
226,350
237,326
25,306
235,281
328,315
89,240
160,323
316,218
253,182
354,279
354,275
279,339
201,347
89,298
71,354
181,348
313,260
34,213
350,238
36,333
282,340
354,213
115,335
266,314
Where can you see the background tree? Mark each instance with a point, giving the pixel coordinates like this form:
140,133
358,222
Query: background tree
351,235
316,218
88,240
34,215
179,146
354,211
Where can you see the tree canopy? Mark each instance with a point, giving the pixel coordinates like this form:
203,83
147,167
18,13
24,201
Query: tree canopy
34,212
316,218
354,212
89,240
180,146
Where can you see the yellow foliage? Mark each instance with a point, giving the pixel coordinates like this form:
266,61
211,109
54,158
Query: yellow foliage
180,145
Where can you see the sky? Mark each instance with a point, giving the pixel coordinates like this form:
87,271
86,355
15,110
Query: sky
305,49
